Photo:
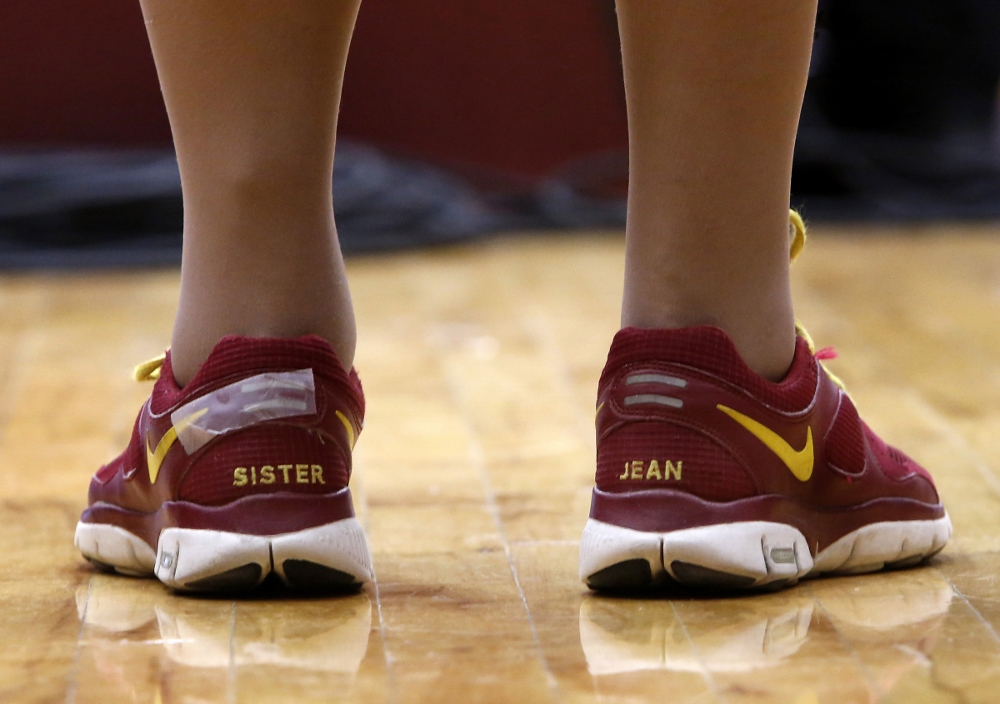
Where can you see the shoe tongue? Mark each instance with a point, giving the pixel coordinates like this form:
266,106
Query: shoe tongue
710,350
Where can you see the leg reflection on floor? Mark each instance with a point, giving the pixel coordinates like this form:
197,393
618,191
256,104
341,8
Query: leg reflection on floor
783,646
142,643
833,641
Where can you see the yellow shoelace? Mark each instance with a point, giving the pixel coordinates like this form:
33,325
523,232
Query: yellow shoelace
149,371
797,234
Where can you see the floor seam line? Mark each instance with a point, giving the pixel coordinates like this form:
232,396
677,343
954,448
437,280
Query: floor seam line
550,348
477,456
75,667
982,467
961,595
231,675
705,673
869,676
383,636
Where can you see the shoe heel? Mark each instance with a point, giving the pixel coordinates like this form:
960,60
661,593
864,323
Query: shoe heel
111,548
334,556
735,556
616,558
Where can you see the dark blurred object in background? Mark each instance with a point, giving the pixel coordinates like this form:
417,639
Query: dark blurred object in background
499,114
921,68
900,120
123,208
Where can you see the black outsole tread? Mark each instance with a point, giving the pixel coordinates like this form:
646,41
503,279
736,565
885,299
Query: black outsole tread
312,576
636,575
628,574
240,578
101,566
691,575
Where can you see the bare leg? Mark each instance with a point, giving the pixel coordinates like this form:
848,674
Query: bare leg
252,89
714,92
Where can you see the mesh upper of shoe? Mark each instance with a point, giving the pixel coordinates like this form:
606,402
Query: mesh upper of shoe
209,474
713,473
845,441
894,462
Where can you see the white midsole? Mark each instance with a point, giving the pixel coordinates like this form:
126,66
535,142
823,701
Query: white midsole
115,546
762,550
186,555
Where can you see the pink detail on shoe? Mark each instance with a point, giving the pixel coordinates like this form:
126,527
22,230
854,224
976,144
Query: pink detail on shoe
801,455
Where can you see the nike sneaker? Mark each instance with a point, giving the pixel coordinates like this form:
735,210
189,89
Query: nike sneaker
714,477
241,472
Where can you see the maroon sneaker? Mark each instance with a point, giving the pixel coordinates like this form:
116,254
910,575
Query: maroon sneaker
712,476
241,472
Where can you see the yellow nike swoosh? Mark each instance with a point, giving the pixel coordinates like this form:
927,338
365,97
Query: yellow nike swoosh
154,458
799,462
348,427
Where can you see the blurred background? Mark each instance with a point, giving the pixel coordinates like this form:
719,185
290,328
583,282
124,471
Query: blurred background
494,115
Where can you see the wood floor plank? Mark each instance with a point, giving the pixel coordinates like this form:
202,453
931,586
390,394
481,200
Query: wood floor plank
893,625
39,627
473,475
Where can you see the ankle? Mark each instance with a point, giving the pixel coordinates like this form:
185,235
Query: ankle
288,286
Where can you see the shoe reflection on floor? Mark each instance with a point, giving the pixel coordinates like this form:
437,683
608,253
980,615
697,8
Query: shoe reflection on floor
889,621
140,643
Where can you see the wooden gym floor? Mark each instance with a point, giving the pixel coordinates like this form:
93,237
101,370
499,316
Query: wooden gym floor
473,477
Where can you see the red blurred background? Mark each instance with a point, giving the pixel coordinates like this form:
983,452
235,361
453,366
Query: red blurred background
515,88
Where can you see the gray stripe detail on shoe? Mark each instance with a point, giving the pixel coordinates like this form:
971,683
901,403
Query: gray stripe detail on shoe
654,398
656,379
